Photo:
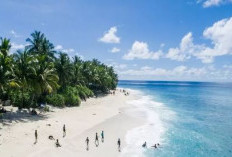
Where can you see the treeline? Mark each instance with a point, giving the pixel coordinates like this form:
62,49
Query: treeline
39,74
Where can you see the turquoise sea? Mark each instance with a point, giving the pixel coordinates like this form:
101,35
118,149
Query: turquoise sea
188,119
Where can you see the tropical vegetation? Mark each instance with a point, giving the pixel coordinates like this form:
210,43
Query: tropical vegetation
39,74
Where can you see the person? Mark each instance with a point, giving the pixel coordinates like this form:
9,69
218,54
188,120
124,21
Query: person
57,143
64,131
144,145
87,143
36,136
51,137
102,136
96,140
154,146
119,144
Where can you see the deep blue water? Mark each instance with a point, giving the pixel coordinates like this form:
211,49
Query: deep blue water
202,126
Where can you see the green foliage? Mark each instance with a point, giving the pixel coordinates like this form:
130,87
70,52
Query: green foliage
84,92
71,96
32,76
57,100
21,100
72,100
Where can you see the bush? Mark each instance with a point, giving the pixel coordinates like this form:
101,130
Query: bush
72,100
21,100
56,100
84,92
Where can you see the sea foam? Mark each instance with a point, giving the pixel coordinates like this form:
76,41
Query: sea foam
154,128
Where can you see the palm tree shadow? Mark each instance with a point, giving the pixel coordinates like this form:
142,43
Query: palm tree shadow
21,117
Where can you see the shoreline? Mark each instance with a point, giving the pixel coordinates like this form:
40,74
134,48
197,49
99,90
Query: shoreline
110,113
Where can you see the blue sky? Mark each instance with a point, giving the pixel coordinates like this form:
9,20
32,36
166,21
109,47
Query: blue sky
142,39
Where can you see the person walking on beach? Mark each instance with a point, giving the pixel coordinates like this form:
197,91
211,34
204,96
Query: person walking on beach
36,136
87,143
64,131
119,145
96,140
102,136
57,143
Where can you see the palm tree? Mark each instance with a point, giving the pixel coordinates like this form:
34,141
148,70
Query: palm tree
78,78
40,45
5,66
5,46
64,69
46,79
24,71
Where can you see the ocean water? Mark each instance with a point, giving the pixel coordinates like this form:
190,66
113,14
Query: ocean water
188,119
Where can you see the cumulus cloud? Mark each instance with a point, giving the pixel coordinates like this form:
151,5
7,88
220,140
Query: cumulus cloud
60,48
115,50
220,35
110,36
140,50
210,3
182,52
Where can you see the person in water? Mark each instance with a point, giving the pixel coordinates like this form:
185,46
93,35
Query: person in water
36,136
64,131
96,140
144,145
154,146
102,136
87,143
57,143
119,144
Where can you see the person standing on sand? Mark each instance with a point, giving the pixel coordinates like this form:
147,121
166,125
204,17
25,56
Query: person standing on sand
36,136
119,145
96,140
64,131
102,136
57,143
87,143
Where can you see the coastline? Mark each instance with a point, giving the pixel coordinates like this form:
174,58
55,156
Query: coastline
110,113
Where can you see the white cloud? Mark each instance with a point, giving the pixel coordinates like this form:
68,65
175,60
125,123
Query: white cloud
220,35
182,52
210,3
15,47
60,48
140,50
118,66
115,50
177,73
14,34
110,36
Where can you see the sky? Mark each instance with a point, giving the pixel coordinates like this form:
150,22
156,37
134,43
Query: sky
181,40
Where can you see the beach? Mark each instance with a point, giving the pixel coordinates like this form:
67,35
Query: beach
110,113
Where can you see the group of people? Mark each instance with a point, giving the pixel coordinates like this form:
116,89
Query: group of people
124,91
102,139
50,137
154,146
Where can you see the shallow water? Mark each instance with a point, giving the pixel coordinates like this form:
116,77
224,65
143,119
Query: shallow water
187,118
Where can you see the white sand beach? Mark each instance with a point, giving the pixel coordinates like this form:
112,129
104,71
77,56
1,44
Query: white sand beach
110,113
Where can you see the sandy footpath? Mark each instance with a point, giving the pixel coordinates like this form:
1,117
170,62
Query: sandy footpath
110,113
